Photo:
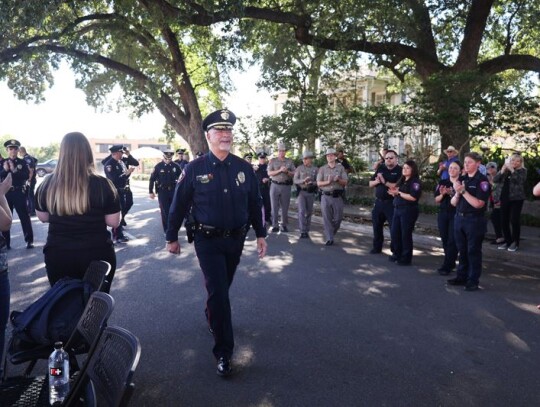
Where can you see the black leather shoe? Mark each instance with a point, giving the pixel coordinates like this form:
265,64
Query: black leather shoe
329,243
224,367
303,235
123,222
471,287
374,251
403,263
443,272
275,229
29,245
456,281
392,258
284,229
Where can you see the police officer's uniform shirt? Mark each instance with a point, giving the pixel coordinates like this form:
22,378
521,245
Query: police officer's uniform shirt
164,176
31,162
181,163
325,172
275,164
390,175
303,172
20,173
445,205
479,187
115,172
223,194
262,172
412,187
85,231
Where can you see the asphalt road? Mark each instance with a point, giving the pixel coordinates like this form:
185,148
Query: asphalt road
316,325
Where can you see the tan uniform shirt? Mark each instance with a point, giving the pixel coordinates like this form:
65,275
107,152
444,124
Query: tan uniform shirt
303,172
325,173
276,164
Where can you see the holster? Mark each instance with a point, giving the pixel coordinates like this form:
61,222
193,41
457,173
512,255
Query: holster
190,226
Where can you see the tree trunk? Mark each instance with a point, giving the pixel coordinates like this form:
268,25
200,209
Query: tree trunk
450,102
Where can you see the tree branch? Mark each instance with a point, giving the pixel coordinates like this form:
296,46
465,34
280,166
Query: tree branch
513,61
473,33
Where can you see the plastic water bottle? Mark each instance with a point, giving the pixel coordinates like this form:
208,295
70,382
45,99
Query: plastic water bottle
58,374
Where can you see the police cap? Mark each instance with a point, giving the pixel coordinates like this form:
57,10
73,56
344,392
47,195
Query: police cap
220,119
307,154
199,154
181,151
330,151
12,143
168,153
248,155
116,148
262,154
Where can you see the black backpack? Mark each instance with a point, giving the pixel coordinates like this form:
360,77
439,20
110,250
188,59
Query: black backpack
54,316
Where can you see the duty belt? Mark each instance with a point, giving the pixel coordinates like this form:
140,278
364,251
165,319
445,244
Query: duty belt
469,214
166,188
282,183
21,187
335,194
211,231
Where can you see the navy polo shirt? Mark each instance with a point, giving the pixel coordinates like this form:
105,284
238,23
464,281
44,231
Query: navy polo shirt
224,194
445,205
412,187
479,187
392,176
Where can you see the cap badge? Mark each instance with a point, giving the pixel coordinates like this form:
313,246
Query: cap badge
225,115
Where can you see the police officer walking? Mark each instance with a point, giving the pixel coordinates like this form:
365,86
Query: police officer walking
220,192
281,172
385,177
264,186
127,162
332,180
31,162
305,178
164,178
118,173
17,196
181,161
472,193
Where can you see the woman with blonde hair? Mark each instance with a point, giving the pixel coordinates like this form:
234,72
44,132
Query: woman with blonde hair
78,204
512,177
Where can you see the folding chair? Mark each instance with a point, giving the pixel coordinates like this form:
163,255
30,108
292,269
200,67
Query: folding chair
92,322
109,371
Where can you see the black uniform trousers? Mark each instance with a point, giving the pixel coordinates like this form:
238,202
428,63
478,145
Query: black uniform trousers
165,198
402,231
128,201
265,193
218,259
445,221
383,210
16,198
119,231
30,197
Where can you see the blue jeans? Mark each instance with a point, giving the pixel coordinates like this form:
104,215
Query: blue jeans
4,310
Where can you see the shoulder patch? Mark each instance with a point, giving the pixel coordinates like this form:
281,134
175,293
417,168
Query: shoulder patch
108,168
181,177
416,186
484,186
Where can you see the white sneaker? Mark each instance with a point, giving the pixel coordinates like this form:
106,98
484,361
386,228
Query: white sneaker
503,247
513,247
